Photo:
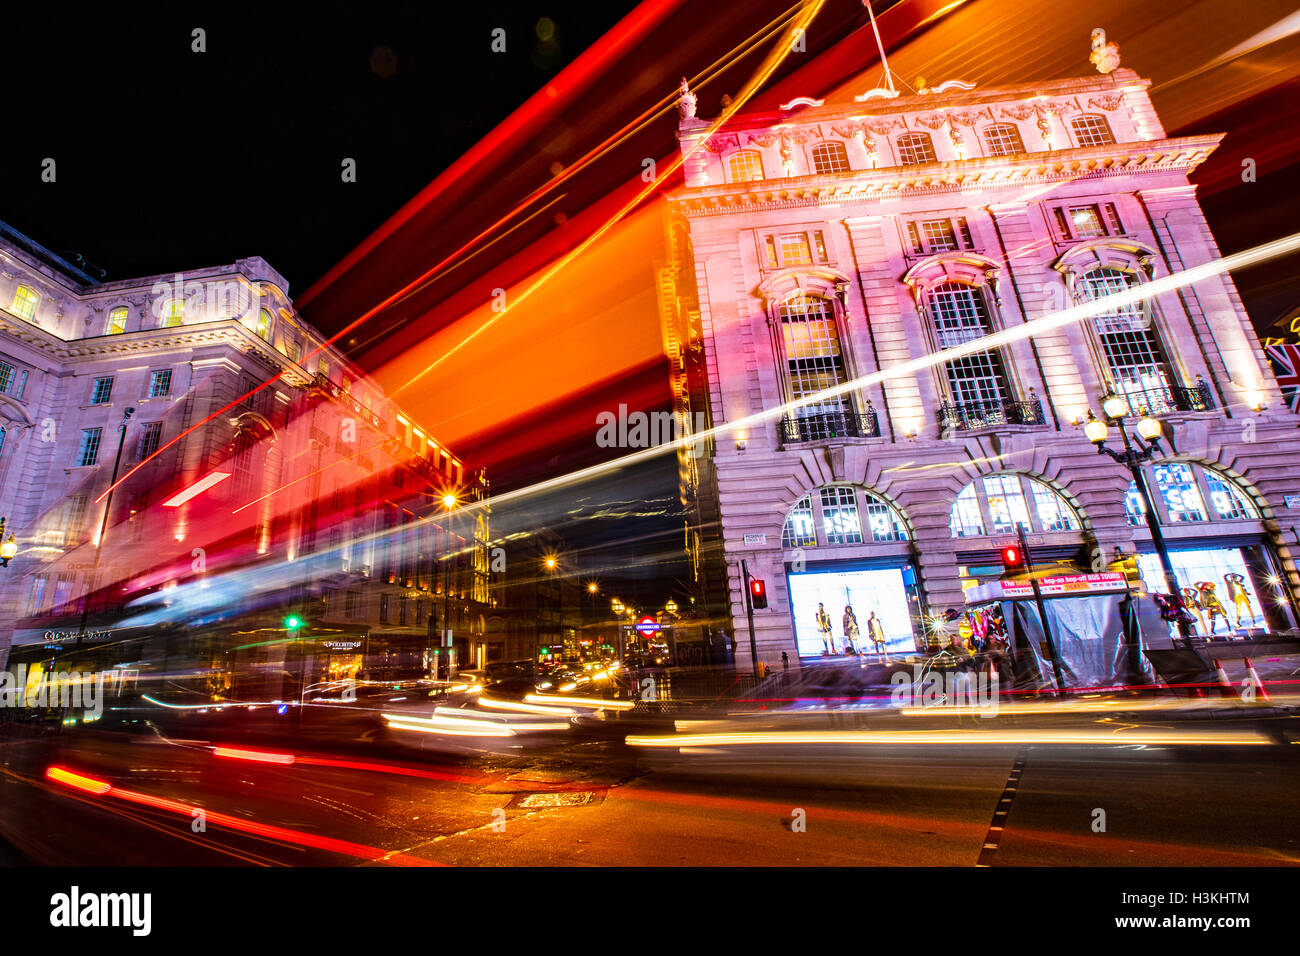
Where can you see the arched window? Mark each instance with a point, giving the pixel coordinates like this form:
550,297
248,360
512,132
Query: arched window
1003,139
1091,129
914,149
841,509
1132,351
959,315
830,158
745,166
264,325
173,313
814,362
998,504
117,320
1188,493
24,304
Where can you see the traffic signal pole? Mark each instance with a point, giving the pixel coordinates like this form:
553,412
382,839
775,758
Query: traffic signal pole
1042,611
749,612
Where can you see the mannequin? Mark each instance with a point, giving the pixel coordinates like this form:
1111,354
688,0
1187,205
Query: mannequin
876,632
824,630
1192,601
1210,602
1240,595
851,631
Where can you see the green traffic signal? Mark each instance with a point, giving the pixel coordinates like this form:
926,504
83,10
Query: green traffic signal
293,622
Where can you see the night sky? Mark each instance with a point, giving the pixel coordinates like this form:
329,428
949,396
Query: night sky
169,159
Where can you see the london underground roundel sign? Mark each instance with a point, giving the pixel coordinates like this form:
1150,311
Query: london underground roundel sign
647,625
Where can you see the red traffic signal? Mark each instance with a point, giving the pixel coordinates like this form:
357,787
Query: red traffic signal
1013,559
757,594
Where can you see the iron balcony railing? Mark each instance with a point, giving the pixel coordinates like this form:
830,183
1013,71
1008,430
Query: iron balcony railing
966,416
1171,398
821,426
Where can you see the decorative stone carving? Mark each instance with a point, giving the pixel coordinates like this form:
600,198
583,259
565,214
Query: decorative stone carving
881,127
686,101
720,144
1109,102
1104,56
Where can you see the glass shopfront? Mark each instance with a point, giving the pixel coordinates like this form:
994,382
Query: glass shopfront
1227,589
867,610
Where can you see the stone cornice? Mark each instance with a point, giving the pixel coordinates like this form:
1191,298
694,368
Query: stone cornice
183,338
864,185
1098,87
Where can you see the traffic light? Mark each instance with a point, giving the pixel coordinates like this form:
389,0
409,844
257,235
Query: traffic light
757,594
292,623
1013,559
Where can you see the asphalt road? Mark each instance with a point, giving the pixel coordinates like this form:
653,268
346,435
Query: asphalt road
598,802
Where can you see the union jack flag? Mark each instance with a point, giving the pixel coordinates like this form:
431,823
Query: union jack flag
1286,366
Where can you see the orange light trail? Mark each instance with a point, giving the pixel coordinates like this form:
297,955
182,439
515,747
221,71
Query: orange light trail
769,66
225,821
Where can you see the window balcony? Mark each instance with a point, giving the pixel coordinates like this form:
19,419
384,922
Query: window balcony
1171,398
825,426
971,416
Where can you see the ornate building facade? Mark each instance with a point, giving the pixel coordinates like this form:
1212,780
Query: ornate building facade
849,245
316,481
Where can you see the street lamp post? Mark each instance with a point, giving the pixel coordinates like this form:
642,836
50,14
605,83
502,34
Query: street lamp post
9,548
1115,408
449,504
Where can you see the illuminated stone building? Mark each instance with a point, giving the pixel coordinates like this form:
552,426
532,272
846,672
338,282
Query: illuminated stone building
314,498
834,242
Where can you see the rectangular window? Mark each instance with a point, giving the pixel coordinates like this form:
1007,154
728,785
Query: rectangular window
385,607
36,596
76,519
819,241
769,248
1086,222
24,304
135,516
62,590
350,604
840,520
293,350
117,321
938,235
794,250
13,381
323,367
1062,223
102,391
89,452
914,234
150,439
160,383
1113,220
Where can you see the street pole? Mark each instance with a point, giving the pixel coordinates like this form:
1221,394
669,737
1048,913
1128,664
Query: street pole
1042,611
749,612
1134,462
446,601
103,524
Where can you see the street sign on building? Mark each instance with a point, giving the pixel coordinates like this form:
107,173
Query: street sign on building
647,626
